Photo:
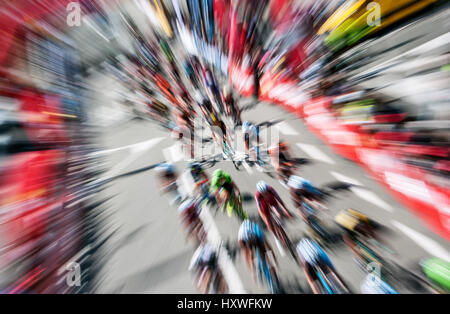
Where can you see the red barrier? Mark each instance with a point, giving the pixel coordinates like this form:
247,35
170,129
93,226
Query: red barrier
241,78
408,184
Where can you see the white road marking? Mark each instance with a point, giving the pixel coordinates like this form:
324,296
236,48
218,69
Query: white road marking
345,179
248,168
315,153
424,242
362,192
286,129
230,273
173,153
136,152
280,248
133,147
372,198
187,185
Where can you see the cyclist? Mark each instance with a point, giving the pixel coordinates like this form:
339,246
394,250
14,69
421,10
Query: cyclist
269,203
251,238
360,235
186,98
204,263
232,108
251,135
208,110
212,89
358,227
200,178
158,110
281,160
185,121
219,134
227,193
302,191
190,73
168,179
316,265
189,212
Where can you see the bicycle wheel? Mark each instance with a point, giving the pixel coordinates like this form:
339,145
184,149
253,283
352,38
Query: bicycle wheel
281,233
239,209
317,228
325,286
337,285
231,154
266,273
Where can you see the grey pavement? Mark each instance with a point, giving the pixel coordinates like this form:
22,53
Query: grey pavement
153,254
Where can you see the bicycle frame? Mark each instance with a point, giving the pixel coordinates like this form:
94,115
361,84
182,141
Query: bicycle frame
265,272
323,281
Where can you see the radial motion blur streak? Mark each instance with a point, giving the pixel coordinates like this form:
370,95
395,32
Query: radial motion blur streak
225,146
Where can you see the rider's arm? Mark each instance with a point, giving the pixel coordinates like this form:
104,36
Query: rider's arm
269,249
277,197
236,189
204,176
280,201
311,282
259,205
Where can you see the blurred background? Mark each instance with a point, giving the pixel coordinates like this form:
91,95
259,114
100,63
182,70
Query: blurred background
96,99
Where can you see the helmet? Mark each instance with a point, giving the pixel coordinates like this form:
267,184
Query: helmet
312,253
250,229
296,182
244,230
262,186
218,176
204,255
188,204
351,220
300,183
165,167
218,173
282,145
195,166
307,251
246,126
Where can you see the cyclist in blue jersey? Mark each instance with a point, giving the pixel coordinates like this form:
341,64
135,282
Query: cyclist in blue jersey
251,238
320,272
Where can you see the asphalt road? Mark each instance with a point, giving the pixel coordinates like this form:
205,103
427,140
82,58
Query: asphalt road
150,253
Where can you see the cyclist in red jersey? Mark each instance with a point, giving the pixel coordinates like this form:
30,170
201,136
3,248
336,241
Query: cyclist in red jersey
270,203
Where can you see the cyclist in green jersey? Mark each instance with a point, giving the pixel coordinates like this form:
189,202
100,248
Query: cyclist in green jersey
227,193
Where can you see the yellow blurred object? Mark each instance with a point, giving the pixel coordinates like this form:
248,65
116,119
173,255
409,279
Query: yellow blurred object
162,18
64,115
345,220
350,218
23,196
350,22
358,215
340,15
